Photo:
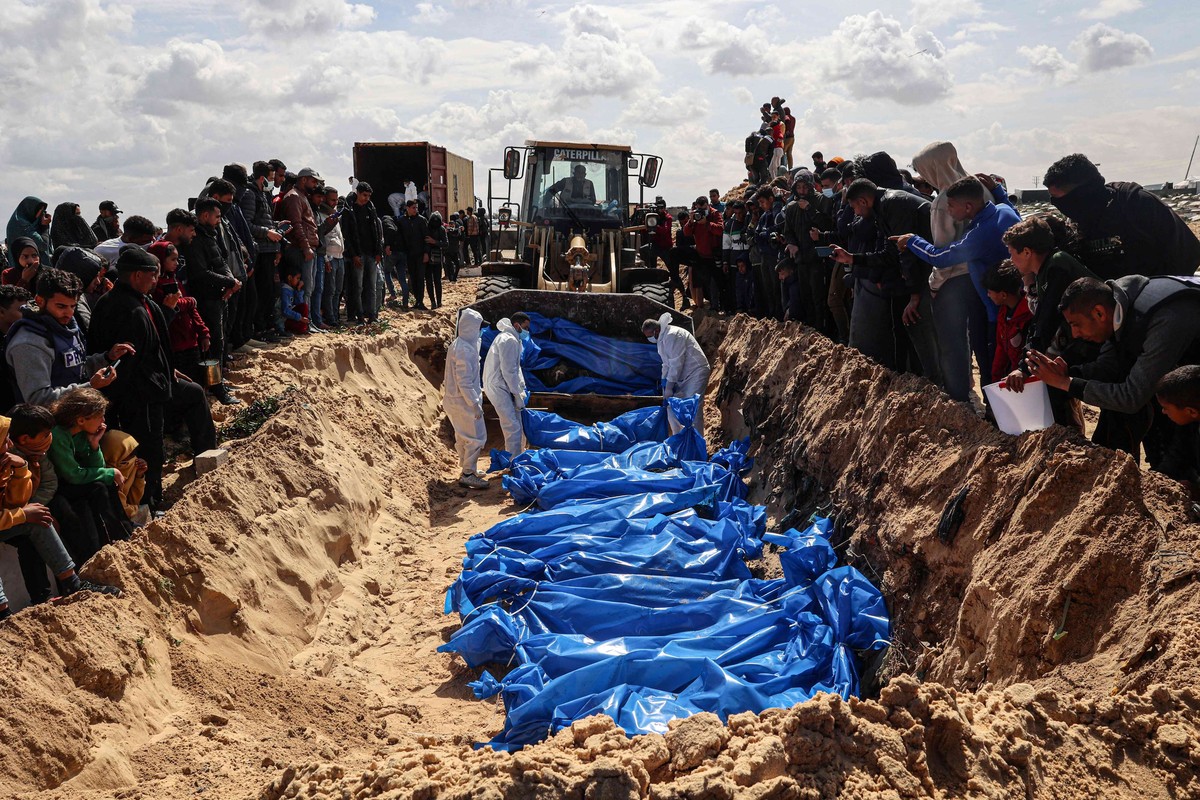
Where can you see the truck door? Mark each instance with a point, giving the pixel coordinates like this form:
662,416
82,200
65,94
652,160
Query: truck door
438,199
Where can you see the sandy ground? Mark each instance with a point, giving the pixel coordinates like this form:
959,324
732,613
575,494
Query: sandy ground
279,630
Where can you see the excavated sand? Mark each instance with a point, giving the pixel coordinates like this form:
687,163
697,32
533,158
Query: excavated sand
279,629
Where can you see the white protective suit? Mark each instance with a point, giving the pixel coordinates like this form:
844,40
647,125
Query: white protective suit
505,385
463,390
685,368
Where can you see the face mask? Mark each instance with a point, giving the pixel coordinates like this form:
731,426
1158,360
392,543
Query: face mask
827,192
525,336
652,339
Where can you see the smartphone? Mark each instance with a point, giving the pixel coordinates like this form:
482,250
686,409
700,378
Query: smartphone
284,227
825,252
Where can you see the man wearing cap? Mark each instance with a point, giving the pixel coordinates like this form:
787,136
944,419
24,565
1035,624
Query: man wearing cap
660,245
146,380
363,235
108,224
296,209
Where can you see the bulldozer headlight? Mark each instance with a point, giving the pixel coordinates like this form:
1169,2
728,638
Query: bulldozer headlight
652,220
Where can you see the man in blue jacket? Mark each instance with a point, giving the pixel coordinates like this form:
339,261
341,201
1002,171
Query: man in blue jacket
981,245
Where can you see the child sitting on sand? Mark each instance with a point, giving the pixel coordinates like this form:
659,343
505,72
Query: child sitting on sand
1178,393
120,453
291,301
19,516
1005,288
84,479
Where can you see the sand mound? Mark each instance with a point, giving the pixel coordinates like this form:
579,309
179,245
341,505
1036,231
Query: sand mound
916,741
278,636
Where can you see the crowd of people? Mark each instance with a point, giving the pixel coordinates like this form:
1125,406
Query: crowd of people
114,334
934,271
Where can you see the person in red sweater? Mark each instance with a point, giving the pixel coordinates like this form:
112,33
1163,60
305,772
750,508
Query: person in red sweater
1005,287
707,228
188,334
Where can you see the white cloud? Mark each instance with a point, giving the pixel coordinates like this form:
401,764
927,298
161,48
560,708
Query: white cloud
743,96
1048,62
980,29
935,13
730,50
1102,47
272,17
875,57
1107,9
431,14
602,60
666,111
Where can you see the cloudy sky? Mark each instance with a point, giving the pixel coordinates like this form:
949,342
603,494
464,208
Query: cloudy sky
140,100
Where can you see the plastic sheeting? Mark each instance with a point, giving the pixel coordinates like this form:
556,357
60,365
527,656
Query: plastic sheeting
614,366
628,593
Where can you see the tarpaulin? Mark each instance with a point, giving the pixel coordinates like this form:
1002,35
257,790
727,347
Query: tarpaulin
627,591
611,366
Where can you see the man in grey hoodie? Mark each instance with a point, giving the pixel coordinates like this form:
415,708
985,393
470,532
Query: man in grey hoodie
958,313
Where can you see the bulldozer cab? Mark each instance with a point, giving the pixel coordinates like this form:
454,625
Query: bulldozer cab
569,227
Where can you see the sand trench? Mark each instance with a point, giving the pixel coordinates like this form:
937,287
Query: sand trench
279,629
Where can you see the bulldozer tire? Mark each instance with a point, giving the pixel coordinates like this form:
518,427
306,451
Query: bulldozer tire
658,292
492,285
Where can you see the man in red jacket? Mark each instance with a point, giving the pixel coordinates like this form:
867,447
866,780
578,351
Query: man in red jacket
707,228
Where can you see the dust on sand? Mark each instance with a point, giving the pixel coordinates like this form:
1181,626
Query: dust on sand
279,632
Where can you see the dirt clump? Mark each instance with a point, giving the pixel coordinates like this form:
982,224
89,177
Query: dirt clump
916,740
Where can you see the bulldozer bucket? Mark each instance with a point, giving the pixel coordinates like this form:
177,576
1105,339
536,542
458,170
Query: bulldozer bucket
617,315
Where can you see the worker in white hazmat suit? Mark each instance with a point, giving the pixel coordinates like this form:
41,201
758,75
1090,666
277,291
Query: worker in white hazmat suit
684,367
463,398
503,382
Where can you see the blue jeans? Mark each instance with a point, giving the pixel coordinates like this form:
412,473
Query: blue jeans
389,263
306,275
331,300
318,290
45,540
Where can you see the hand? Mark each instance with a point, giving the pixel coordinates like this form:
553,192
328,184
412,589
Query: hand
118,479
94,438
103,377
38,514
988,182
180,376
814,234
911,315
171,300
425,258
237,286
802,202
841,256
387,248
305,320
273,235
1015,381
792,249
141,468
901,241
12,461
1052,371
205,343
328,267
119,350
357,262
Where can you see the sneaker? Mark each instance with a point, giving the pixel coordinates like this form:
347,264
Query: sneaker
473,482
258,344
75,584
223,395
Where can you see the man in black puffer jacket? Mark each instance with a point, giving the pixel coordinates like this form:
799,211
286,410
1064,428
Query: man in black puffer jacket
146,380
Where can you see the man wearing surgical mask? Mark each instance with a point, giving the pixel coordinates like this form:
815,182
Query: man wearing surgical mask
1125,229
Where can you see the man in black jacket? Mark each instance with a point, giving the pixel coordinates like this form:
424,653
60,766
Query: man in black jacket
806,211
211,282
256,208
364,250
413,230
1125,229
146,381
900,282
